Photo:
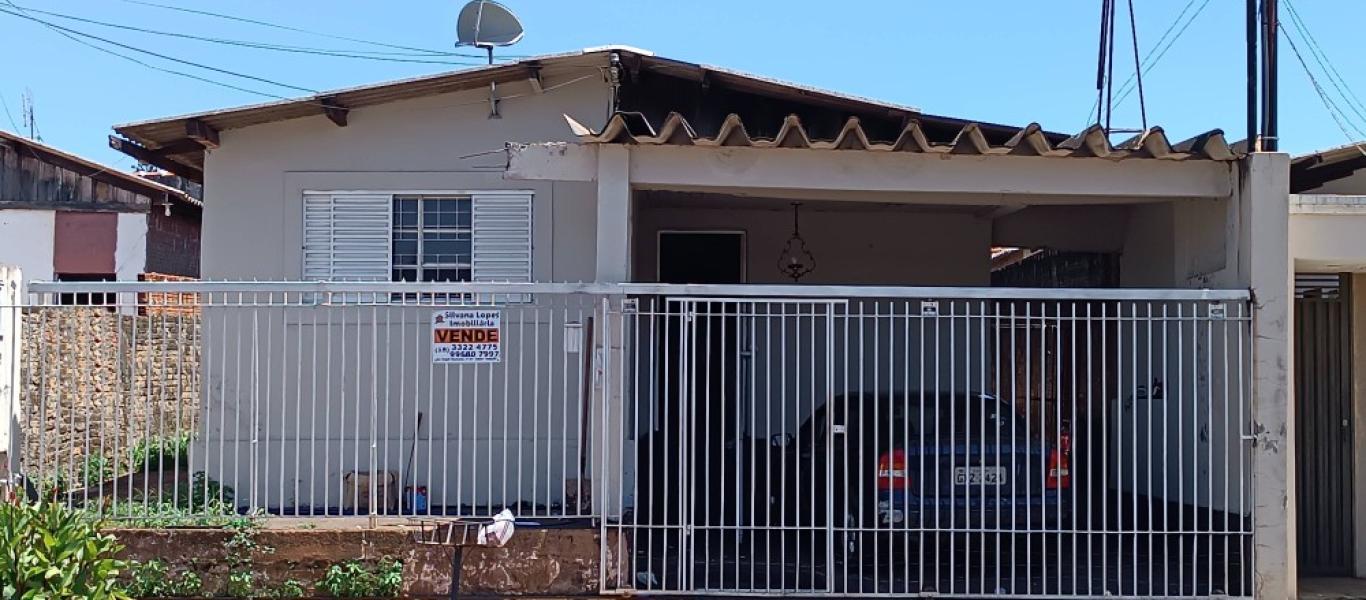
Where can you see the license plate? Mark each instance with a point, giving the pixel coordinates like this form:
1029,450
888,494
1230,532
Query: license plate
979,476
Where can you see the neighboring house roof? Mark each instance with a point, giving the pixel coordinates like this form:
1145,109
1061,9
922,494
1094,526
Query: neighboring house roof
108,174
634,128
1317,168
178,143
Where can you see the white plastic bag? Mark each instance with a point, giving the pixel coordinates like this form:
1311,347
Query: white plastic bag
498,532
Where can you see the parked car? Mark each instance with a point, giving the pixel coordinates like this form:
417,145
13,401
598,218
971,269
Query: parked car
910,461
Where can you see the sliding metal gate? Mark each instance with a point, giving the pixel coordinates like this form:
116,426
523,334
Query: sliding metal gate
985,442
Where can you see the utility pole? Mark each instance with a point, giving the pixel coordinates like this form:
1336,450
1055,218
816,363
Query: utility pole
1270,27
1253,139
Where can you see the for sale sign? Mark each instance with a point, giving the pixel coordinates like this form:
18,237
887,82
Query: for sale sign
463,336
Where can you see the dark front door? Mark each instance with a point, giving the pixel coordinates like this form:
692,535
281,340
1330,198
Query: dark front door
700,350
1323,422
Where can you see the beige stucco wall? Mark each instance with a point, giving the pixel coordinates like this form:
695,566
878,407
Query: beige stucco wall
1327,242
254,182
853,244
304,419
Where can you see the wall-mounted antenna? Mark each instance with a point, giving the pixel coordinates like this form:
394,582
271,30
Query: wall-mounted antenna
1105,70
487,24
30,119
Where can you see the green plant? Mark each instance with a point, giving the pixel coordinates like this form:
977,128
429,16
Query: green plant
352,579
203,502
241,584
240,550
49,551
160,453
95,470
290,588
152,579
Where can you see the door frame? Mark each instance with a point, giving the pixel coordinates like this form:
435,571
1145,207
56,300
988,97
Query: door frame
744,247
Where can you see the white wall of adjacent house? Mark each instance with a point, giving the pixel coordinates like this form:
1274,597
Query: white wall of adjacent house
130,250
26,241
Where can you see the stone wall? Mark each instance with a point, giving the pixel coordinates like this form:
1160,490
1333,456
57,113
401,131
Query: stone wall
97,382
535,562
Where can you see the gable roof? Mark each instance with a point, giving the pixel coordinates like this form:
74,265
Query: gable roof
108,174
1315,169
177,143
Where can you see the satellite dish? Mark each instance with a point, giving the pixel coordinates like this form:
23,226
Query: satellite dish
485,24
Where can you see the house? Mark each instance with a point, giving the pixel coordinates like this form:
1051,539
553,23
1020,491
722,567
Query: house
66,218
716,316
1327,217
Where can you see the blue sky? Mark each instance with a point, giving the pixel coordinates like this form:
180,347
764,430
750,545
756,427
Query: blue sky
991,60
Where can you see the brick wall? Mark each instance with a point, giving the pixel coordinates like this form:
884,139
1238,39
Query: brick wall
167,303
94,379
173,242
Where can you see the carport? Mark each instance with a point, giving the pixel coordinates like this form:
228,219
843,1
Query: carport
897,317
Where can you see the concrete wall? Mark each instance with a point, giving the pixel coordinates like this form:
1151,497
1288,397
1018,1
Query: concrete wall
130,253
253,230
255,181
853,244
1326,237
26,241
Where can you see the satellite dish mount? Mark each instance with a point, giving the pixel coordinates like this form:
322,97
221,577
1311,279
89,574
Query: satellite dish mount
487,24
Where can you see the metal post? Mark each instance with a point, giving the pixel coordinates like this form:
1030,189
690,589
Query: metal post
11,341
1252,142
1269,76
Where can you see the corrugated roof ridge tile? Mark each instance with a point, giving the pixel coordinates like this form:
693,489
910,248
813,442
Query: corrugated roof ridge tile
676,131
1029,141
1150,143
852,137
1088,142
1210,144
912,139
970,141
615,131
791,134
732,133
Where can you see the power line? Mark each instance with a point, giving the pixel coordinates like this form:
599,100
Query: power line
1126,90
1333,110
10,115
1324,63
1155,53
151,53
206,13
143,63
256,45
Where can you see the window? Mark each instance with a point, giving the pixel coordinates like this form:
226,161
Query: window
433,238
87,298
480,236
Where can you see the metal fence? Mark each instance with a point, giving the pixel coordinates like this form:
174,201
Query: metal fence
760,440
170,402
949,442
